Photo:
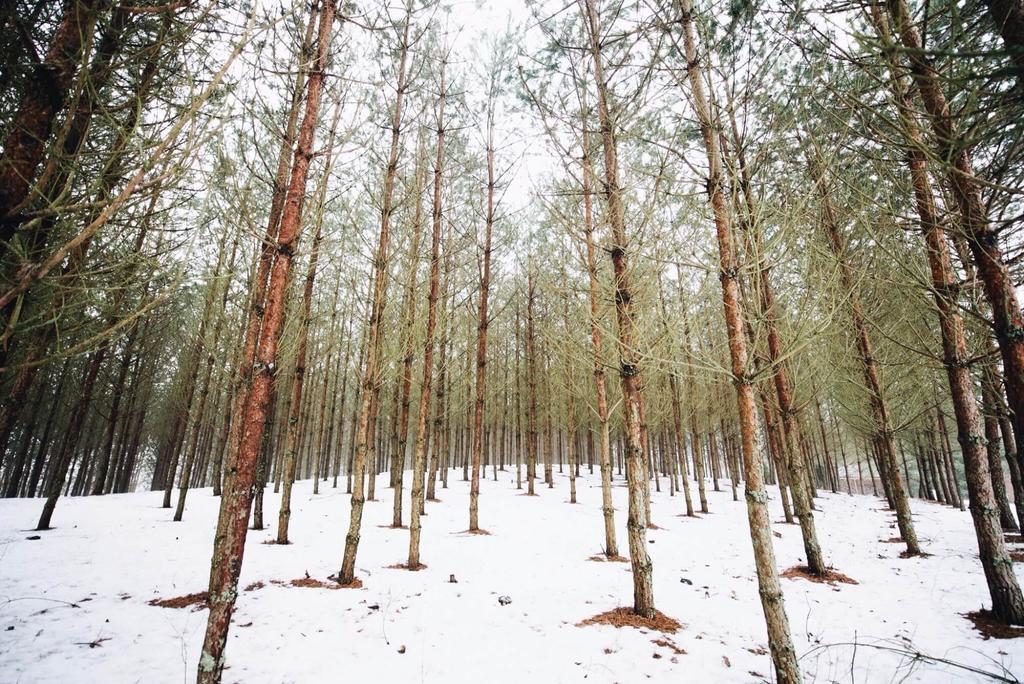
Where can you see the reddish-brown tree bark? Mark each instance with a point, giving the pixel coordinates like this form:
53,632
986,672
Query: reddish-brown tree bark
229,542
265,256
43,100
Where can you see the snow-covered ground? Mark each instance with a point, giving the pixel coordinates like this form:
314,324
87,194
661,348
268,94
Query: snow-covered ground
88,582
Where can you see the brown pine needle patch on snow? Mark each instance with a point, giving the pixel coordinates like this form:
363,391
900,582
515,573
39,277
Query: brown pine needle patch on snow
254,586
200,599
625,617
990,628
406,566
830,576
608,559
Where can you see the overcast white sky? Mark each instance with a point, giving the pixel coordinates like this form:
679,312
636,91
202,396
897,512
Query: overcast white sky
525,144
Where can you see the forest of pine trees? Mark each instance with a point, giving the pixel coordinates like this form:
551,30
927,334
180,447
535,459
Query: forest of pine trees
674,264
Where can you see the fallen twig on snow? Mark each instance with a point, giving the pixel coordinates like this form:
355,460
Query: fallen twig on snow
95,643
917,656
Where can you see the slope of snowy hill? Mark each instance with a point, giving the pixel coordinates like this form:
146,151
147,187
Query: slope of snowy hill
74,602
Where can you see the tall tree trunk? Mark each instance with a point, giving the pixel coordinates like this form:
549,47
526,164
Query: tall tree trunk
16,471
438,455
295,407
1010,453
44,440
993,444
549,406
422,434
1007,601
611,547
517,445
482,324
797,475
796,471
677,412
629,357
234,382
265,256
186,408
364,434
882,437
72,435
973,219
947,458
401,433
299,377
337,417
531,381
229,542
833,478
204,392
696,448
570,407
100,484
779,640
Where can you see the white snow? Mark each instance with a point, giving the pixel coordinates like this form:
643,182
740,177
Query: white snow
110,555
